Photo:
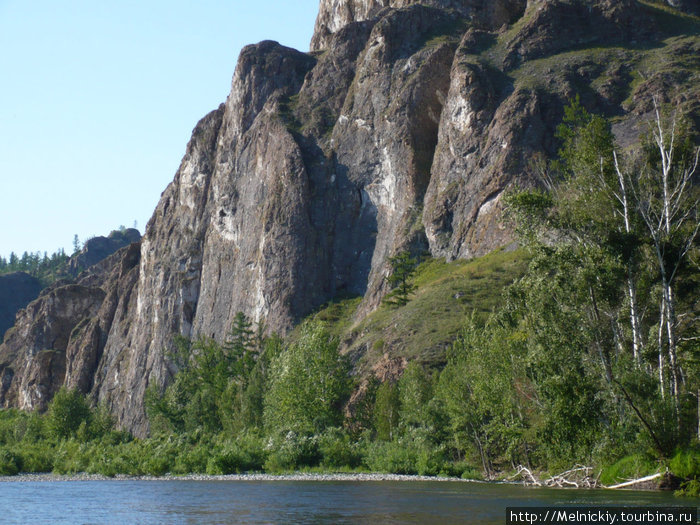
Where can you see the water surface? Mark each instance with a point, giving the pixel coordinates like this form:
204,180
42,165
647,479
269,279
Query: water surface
313,502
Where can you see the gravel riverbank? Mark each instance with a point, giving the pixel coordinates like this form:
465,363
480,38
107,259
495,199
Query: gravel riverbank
229,477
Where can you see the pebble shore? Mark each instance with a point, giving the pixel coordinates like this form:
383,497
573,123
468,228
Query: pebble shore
229,477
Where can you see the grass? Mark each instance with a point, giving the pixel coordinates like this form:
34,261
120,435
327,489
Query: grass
425,327
628,468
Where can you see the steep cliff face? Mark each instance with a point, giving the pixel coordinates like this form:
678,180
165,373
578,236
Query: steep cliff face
17,290
335,14
401,130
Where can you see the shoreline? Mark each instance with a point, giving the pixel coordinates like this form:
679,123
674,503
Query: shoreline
299,476
296,476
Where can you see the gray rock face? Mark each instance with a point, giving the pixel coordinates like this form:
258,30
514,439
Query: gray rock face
16,291
99,248
34,351
59,338
401,130
333,15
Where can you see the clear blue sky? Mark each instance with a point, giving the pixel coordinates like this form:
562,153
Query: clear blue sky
98,100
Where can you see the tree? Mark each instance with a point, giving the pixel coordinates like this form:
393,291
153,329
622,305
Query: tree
403,266
667,201
76,244
621,230
67,411
239,345
386,411
415,392
309,381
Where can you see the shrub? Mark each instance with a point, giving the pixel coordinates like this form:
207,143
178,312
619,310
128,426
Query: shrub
237,457
689,488
390,456
629,467
291,452
192,459
9,462
411,454
67,412
464,470
686,463
71,457
337,450
36,457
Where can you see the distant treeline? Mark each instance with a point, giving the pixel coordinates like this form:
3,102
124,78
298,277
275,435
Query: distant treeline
42,266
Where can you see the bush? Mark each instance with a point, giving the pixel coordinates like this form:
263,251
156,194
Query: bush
291,452
337,450
411,454
192,460
629,467
9,462
71,457
245,454
235,460
36,457
67,412
690,489
390,456
686,464
464,470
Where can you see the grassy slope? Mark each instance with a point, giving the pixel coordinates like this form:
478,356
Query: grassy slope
672,59
423,329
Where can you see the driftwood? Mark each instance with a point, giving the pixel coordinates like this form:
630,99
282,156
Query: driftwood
577,477
635,481
529,477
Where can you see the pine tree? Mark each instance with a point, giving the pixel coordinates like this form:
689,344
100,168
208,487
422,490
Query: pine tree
403,266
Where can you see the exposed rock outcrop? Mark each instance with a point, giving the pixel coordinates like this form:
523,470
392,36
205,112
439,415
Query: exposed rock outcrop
335,14
99,248
401,130
59,338
16,291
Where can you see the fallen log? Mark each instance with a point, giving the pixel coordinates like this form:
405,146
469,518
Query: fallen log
635,481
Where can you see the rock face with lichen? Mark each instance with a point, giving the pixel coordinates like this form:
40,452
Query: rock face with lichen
401,130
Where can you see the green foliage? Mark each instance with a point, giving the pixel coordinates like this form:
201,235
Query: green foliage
481,391
686,463
9,463
415,391
219,386
290,451
386,411
68,411
413,453
630,467
338,450
403,266
244,454
309,382
47,269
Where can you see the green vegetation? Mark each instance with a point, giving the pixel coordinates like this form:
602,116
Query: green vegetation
403,266
46,269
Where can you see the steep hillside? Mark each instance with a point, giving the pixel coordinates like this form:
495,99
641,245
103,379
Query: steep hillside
401,130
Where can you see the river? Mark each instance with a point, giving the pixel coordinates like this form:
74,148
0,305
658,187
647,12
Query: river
289,502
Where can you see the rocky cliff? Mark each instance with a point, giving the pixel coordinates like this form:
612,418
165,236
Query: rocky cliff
17,290
400,130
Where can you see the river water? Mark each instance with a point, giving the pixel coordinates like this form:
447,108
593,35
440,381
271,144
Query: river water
289,502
